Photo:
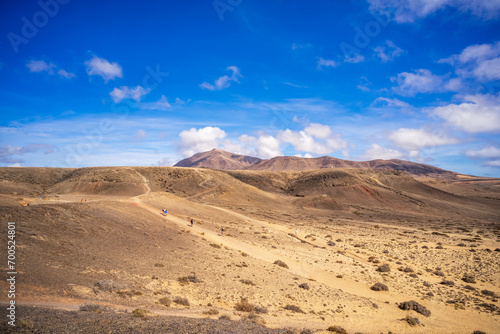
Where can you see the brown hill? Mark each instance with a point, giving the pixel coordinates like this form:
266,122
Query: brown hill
310,241
218,159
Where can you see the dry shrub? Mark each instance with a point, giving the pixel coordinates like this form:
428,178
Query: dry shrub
337,329
244,306
247,281
181,301
224,317
412,321
90,307
469,279
140,313
294,308
165,301
384,268
211,312
413,305
281,264
260,309
109,285
379,287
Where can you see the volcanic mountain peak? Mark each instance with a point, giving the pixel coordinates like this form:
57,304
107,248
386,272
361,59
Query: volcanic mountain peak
218,159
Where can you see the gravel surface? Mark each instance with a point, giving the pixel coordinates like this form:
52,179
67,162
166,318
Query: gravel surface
44,320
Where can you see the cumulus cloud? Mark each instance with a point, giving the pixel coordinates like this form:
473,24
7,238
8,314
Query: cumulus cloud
326,63
124,92
388,52
41,66
200,140
38,66
486,152
414,140
406,11
103,68
479,113
420,81
65,74
378,152
223,81
316,138
479,61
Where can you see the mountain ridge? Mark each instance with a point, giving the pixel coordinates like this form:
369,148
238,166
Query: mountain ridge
223,160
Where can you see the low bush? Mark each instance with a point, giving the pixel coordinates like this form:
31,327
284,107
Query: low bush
244,306
294,308
281,264
384,268
379,287
413,305
181,301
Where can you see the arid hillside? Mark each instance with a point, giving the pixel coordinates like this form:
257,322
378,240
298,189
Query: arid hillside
218,159
363,250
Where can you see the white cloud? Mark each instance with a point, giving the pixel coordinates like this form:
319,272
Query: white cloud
268,147
162,104
363,85
105,69
38,66
65,74
318,130
354,59
487,152
388,54
223,81
480,61
391,102
124,92
421,81
165,162
200,140
41,66
493,163
326,62
404,11
479,113
378,152
417,139
306,140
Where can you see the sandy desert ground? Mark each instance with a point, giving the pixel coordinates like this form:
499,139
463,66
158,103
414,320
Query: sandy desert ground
302,252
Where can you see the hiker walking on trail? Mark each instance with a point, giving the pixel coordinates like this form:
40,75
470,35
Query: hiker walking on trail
191,222
222,231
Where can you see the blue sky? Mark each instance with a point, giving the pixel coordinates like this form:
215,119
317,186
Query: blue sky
100,83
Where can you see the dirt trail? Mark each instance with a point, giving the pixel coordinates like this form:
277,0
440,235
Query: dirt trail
299,268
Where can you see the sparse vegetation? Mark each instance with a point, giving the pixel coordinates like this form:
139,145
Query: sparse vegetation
294,308
412,321
379,287
337,329
260,309
304,286
109,285
244,306
211,312
181,301
91,307
384,268
281,264
140,313
214,245
413,305
165,301
247,281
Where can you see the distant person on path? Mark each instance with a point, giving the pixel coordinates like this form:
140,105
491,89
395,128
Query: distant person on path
191,222
222,231
164,211
296,233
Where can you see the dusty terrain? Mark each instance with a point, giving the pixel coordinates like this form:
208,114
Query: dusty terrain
301,250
